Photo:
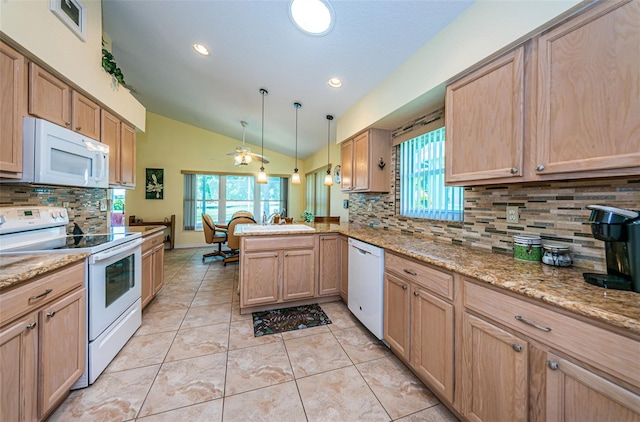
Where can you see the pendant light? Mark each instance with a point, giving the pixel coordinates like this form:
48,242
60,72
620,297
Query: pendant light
328,180
295,177
262,176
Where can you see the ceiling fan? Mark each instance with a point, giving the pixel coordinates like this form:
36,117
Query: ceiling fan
243,155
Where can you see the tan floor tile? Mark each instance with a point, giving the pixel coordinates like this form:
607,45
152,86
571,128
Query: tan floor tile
237,316
256,367
186,382
180,288
399,391
212,297
241,335
142,351
438,413
339,315
320,329
167,301
340,395
314,354
210,411
113,397
361,345
216,284
158,322
206,315
199,341
265,404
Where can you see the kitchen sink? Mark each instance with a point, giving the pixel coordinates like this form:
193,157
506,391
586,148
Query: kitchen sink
275,228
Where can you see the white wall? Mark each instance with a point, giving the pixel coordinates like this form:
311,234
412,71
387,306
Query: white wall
32,25
482,29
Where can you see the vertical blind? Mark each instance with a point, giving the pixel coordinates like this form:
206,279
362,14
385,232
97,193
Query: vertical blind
422,190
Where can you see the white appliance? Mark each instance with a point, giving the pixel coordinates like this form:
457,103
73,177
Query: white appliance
366,285
113,278
54,155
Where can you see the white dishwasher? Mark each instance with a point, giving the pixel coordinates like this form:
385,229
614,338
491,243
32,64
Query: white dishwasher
366,284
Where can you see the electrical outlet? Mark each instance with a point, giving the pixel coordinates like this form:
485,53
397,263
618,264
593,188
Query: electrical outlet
513,215
65,205
370,206
103,205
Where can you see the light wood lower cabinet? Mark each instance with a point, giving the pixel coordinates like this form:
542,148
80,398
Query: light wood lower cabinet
152,266
397,308
495,377
298,274
344,268
329,271
42,347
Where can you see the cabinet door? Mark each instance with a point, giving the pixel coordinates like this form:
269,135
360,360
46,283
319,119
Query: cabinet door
344,268
397,302
485,122
494,372
128,156
49,97
432,341
298,274
147,277
329,267
63,344
18,366
85,116
589,75
11,110
110,134
259,278
361,162
158,267
346,165
576,394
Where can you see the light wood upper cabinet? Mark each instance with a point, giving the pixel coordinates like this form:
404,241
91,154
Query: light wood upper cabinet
85,115
589,74
329,271
128,156
362,160
49,97
485,122
12,76
494,374
121,139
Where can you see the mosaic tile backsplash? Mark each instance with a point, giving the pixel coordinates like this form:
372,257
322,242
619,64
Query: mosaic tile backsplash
555,211
83,207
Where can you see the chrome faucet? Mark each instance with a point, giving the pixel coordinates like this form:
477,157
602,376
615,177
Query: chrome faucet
264,218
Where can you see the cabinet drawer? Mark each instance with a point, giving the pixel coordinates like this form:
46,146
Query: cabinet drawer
152,241
279,242
603,349
34,294
429,278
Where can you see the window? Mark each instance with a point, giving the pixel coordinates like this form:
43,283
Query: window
422,190
317,193
221,196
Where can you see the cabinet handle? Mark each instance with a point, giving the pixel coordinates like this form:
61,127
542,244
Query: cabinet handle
79,128
409,271
416,294
31,326
286,254
275,255
552,365
67,123
51,314
404,287
514,170
533,324
516,347
46,292
539,167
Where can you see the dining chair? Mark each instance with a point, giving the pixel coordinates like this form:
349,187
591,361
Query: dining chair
213,235
233,241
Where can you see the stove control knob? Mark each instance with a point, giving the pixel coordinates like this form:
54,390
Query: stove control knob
55,214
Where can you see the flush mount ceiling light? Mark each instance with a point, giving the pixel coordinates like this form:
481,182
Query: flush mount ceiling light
201,49
314,17
328,180
295,177
334,83
262,176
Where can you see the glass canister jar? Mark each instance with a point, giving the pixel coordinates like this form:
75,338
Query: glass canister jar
556,255
527,248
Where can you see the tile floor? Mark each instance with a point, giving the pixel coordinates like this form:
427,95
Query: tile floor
195,359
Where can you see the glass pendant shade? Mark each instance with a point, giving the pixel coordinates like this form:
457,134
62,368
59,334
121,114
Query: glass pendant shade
295,177
328,180
262,176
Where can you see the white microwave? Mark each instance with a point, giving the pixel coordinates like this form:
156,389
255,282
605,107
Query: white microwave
54,155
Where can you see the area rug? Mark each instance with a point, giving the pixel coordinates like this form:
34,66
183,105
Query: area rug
288,319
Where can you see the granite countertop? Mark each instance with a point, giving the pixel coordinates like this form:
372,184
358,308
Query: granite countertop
561,287
18,268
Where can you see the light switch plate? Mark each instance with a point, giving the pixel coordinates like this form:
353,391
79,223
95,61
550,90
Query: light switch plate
513,215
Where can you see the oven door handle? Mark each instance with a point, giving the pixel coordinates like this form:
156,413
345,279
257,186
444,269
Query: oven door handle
130,246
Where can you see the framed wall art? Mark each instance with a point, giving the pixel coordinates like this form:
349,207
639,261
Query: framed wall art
72,13
154,184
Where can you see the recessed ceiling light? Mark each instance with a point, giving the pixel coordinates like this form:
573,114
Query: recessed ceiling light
334,83
314,17
201,49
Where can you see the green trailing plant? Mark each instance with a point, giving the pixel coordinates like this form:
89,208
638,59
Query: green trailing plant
307,216
110,66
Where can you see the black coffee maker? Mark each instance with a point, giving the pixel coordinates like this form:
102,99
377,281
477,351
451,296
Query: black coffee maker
620,230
